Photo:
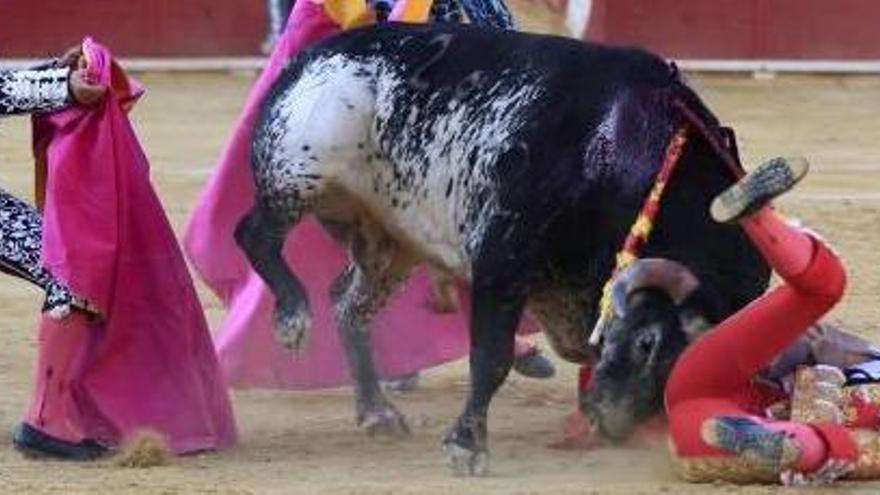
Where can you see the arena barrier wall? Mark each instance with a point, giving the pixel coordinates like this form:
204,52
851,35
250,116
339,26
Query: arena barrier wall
787,35
134,28
805,30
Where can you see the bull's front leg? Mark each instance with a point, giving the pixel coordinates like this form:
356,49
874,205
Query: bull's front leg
494,317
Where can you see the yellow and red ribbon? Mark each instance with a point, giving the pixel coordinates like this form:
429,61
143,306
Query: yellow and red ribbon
641,229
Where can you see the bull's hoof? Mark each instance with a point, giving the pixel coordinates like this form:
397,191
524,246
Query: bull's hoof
466,462
387,422
293,329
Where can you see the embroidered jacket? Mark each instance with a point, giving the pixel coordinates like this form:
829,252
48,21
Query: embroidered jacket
38,89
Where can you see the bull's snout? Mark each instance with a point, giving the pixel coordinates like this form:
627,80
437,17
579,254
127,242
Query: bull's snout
615,420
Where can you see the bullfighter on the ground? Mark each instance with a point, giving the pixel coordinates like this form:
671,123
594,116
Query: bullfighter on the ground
718,423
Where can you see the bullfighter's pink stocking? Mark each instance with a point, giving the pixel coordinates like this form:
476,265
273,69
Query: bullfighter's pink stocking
787,249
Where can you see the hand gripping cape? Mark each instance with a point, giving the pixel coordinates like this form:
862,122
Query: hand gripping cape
147,361
407,335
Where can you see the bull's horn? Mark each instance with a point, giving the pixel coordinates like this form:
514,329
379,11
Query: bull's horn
599,330
669,276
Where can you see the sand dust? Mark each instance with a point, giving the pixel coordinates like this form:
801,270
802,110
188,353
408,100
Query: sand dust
143,449
308,442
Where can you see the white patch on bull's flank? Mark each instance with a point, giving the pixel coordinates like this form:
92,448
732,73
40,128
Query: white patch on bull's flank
324,116
316,112
433,219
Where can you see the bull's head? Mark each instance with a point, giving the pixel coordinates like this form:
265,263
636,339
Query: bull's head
654,320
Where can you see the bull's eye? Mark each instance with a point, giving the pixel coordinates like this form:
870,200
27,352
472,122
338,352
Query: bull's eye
645,344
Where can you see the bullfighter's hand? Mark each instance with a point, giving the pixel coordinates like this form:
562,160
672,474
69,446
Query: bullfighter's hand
71,58
84,92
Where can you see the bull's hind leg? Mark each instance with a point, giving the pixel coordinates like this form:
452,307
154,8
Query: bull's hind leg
316,126
261,234
378,266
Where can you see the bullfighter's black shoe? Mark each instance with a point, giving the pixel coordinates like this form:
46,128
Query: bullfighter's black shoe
33,442
757,188
534,364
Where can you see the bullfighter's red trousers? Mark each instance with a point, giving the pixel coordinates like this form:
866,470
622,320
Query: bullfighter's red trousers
712,377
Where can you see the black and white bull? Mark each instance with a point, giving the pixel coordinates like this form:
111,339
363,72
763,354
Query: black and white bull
515,161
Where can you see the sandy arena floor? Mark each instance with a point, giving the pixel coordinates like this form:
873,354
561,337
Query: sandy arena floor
308,443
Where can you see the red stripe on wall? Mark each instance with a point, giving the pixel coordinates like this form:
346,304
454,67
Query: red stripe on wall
827,29
36,28
742,29
726,29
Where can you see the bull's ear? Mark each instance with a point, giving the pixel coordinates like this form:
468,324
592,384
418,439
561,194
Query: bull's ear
693,324
698,313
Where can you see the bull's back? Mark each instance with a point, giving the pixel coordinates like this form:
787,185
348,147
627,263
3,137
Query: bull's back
428,124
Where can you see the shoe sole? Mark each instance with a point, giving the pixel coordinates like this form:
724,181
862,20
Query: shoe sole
768,448
30,453
402,385
534,364
757,188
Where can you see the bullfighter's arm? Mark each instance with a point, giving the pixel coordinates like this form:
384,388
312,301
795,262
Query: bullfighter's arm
824,343
491,13
40,89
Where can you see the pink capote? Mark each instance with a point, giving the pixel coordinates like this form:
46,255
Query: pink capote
407,335
149,361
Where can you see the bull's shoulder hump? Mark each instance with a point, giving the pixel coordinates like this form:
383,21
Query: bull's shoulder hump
475,44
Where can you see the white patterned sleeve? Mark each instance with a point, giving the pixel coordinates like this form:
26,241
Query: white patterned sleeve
33,90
